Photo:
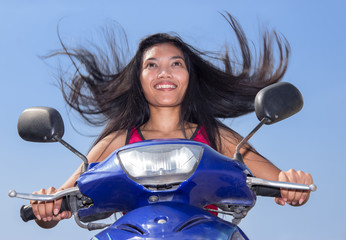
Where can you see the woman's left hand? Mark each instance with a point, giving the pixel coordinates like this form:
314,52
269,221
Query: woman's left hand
294,197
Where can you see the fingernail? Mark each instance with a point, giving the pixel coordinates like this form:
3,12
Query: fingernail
301,201
49,219
294,203
63,214
285,199
56,212
38,217
44,219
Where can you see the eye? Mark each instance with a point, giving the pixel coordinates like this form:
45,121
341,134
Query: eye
150,65
177,64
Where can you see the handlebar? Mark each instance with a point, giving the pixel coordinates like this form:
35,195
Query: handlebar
261,187
27,214
268,188
265,191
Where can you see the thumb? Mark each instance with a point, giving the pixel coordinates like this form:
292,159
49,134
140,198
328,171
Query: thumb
279,201
57,204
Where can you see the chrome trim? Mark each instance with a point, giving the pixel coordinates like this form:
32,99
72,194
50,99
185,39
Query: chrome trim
41,197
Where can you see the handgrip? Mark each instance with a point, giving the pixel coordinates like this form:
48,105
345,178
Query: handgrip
27,214
266,191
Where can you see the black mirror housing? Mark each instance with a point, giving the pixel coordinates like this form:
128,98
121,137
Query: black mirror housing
40,124
278,102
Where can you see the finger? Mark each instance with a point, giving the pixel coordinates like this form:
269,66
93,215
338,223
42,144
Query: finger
308,181
58,217
49,205
39,209
66,214
279,201
34,206
42,210
57,208
49,210
300,179
284,192
62,215
69,214
292,177
57,204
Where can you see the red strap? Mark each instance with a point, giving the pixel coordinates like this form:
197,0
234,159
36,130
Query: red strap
134,136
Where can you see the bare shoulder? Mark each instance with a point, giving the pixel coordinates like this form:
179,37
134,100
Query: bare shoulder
229,140
230,135
106,146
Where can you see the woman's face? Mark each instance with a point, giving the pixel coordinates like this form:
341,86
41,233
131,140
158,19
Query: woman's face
164,76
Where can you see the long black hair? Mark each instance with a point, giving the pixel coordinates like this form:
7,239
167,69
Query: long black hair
112,95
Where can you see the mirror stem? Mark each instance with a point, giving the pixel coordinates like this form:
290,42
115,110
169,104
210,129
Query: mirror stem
237,154
75,151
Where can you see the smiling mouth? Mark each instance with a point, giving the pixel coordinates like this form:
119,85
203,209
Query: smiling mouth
165,86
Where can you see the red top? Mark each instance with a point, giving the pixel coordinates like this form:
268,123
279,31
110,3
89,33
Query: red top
135,135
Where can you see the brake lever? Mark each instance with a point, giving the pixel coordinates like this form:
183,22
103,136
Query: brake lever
74,191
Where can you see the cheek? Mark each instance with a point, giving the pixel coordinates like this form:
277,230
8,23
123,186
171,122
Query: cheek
143,78
185,79
146,77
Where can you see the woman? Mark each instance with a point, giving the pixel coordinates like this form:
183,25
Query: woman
170,90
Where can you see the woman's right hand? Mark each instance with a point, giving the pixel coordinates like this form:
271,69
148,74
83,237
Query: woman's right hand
47,213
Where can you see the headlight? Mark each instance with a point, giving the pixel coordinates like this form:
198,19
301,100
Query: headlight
160,164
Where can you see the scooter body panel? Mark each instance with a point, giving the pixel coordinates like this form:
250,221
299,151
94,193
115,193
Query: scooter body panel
170,220
217,179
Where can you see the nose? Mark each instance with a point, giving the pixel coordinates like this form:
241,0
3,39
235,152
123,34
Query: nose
164,73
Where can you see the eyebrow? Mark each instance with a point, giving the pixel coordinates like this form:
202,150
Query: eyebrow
174,57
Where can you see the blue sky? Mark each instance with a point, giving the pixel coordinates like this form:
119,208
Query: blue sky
312,140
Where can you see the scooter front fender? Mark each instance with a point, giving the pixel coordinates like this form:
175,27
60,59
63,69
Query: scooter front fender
169,220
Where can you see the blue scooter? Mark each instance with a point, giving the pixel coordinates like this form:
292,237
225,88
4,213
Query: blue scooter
163,186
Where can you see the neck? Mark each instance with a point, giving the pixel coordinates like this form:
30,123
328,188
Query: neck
163,119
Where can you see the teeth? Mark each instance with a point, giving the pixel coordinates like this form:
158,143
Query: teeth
165,86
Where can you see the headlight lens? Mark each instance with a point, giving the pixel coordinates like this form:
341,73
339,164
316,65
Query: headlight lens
160,164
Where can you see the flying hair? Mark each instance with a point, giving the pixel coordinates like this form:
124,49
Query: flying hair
109,93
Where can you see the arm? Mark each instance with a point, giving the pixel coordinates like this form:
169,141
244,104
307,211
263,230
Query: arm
47,213
263,168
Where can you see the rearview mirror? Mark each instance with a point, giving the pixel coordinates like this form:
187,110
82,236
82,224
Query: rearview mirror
40,124
278,102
